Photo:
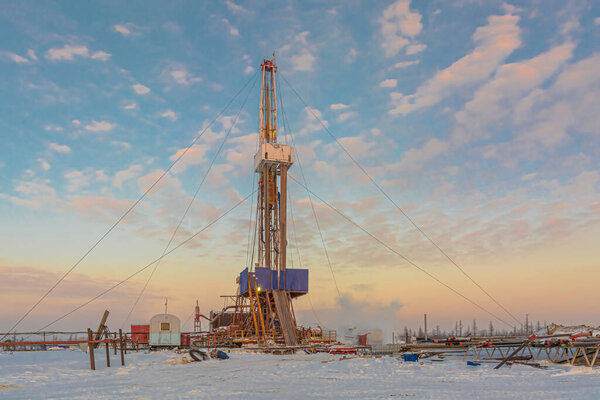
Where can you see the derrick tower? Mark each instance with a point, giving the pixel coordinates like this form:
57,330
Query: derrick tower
271,161
263,304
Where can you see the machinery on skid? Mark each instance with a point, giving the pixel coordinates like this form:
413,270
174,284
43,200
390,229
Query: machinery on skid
262,312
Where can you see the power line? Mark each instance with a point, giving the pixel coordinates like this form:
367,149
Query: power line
147,265
188,319
126,212
190,204
401,255
300,259
312,206
398,207
250,220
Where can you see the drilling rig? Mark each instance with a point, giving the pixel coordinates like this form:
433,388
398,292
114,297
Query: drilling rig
263,312
266,289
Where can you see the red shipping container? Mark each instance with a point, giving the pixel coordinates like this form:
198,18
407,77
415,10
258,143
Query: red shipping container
140,333
185,339
362,339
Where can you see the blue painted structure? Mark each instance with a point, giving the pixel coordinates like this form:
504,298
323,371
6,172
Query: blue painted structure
294,280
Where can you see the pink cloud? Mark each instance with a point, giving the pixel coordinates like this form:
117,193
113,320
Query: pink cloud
494,43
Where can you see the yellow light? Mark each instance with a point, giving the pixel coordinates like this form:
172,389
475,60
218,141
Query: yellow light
258,289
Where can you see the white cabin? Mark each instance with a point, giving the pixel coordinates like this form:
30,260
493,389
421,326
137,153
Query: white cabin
165,330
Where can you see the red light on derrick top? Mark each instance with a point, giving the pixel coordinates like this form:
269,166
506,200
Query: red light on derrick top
268,64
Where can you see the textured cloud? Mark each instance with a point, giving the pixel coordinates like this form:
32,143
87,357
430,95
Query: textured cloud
122,29
43,164
20,285
123,176
415,48
300,52
100,126
339,106
59,148
233,31
100,55
194,156
236,8
170,114
495,100
303,61
399,24
388,83
346,116
77,180
549,116
405,64
310,123
414,159
543,117
33,193
13,57
123,145
69,53
177,73
494,43
31,54
141,89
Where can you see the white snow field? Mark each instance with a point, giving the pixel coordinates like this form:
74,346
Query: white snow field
161,375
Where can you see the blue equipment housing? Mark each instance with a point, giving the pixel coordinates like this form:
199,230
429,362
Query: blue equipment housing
294,280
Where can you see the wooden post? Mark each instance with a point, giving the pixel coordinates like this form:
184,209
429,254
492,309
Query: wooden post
101,325
91,349
107,355
121,346
115,343
125,344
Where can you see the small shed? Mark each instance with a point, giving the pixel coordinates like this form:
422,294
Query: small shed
165,330
140,334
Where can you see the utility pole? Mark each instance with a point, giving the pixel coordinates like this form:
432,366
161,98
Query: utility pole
197,323
425,318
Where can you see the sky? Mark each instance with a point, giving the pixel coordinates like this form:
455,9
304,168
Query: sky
478,118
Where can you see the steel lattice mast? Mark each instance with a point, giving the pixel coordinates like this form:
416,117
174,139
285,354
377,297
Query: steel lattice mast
263,304
271,161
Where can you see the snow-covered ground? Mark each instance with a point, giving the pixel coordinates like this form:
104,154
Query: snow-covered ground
161,375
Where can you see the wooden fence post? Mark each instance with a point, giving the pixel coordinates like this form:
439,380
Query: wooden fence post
115,343
91,349
107,355
121,346
125,343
